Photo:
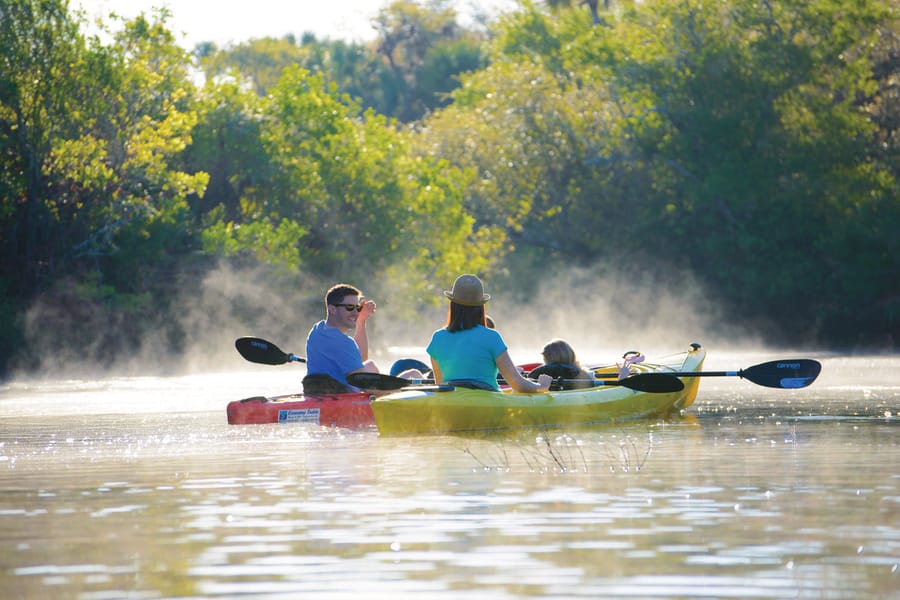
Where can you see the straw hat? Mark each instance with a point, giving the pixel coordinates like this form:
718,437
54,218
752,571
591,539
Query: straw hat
468,291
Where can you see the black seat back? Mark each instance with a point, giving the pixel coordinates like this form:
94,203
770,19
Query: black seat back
319,383
560,374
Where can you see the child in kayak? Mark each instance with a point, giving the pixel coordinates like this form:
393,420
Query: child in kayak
561,364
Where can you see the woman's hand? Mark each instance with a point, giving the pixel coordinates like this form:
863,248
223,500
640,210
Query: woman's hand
544,382
520,384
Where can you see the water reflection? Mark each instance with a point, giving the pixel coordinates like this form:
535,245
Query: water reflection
136,488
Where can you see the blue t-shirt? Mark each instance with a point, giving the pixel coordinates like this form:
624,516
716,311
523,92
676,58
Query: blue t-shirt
330,351
468,354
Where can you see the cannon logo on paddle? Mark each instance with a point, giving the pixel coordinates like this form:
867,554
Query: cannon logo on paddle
795,366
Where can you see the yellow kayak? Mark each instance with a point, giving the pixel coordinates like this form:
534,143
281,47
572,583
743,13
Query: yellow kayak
433,410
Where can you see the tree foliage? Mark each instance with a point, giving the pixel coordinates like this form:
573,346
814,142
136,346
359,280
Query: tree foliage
336,178
408,72
732,131
751,144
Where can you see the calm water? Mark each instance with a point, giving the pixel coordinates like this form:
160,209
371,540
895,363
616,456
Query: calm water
138,488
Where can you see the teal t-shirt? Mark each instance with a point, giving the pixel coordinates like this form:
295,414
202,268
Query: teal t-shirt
468,354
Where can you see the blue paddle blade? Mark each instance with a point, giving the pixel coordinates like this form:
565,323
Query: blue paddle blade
784,374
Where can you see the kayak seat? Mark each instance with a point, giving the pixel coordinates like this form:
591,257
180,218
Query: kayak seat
319,383
560,374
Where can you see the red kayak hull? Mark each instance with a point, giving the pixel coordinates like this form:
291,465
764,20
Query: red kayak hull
335,410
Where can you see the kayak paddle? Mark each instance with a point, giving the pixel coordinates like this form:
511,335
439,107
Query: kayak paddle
264,352
660,383
785,374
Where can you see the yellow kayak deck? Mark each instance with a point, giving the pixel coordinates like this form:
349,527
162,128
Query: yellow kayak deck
432,411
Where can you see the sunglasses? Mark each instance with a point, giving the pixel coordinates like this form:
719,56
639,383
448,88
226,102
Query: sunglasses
351,307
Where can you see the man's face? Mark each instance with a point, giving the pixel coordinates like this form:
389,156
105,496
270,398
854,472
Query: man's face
345,312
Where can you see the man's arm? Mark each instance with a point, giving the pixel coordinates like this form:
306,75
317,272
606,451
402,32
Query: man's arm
361,336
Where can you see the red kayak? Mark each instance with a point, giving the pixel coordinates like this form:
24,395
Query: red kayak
335,410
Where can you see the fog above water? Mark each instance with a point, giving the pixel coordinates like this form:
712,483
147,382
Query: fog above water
602,314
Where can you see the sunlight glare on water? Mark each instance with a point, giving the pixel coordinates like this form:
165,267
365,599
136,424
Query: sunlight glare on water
138,487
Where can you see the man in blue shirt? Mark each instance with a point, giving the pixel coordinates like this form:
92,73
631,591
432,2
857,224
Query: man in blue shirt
329,349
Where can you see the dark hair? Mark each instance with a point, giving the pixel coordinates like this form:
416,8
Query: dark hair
338,292
560,352
460,317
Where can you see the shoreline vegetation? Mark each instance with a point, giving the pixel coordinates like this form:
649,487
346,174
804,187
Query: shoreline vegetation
744,153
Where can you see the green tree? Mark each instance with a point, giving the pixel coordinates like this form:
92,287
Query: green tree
734,132
426,50
260,61
747,114
408,71
41,67
92,134
553,165
49,77
137,210
353,67
227,144
343,199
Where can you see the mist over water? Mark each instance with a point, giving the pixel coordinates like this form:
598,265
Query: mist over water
602,313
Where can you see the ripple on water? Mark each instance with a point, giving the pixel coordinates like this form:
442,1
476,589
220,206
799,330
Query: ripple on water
142,489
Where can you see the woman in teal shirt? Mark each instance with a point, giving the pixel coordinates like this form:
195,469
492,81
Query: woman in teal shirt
466,352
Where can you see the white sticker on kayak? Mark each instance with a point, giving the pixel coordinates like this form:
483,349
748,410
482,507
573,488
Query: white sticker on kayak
302,415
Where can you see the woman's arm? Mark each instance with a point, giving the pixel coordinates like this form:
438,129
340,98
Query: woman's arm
515,380
436,372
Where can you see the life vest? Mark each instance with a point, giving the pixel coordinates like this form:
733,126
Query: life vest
565,377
